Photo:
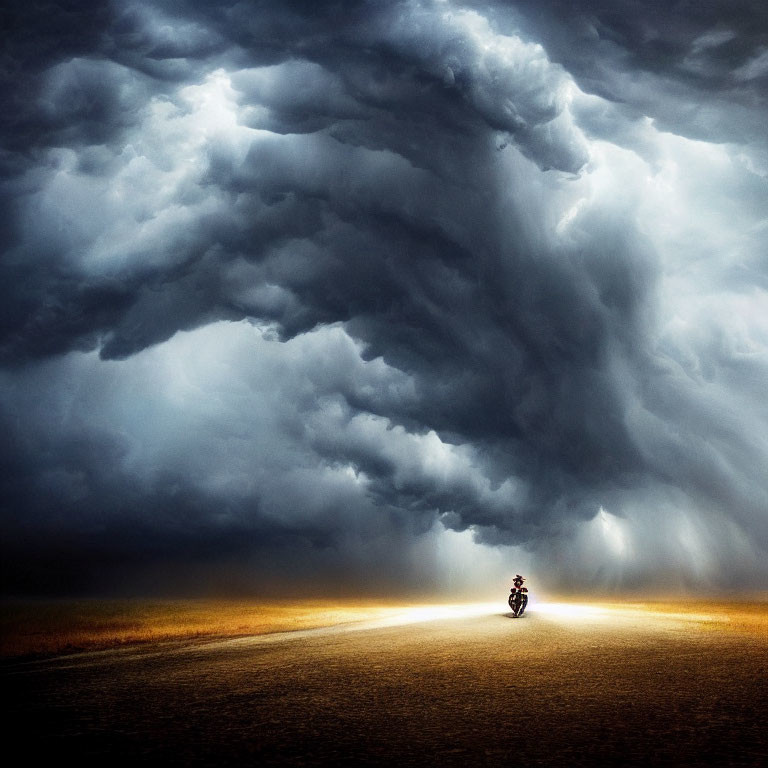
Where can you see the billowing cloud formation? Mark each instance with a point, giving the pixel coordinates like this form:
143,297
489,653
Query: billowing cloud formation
292,291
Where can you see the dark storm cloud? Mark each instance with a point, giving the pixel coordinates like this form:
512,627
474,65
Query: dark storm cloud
699,69
427,180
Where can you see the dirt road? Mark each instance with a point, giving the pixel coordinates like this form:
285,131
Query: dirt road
552,689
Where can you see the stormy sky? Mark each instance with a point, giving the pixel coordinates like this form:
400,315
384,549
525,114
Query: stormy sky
383,297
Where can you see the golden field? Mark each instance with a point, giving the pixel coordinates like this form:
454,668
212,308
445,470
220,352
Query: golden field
679,684
42,628
45,628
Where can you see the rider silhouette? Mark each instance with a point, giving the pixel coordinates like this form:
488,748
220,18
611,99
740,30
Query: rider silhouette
518,592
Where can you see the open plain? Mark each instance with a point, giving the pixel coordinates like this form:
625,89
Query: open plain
565,685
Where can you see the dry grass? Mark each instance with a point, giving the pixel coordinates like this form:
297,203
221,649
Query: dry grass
660,685
50,628
43,628
746,616
751,617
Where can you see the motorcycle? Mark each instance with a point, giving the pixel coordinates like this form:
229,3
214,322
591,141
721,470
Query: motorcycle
518,598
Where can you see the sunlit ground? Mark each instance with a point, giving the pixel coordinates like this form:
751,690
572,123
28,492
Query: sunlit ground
65,627
746,615
86,625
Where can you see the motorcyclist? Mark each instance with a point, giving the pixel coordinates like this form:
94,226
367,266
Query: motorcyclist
519,594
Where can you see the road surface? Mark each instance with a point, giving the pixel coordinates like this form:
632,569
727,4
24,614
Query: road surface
583,687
